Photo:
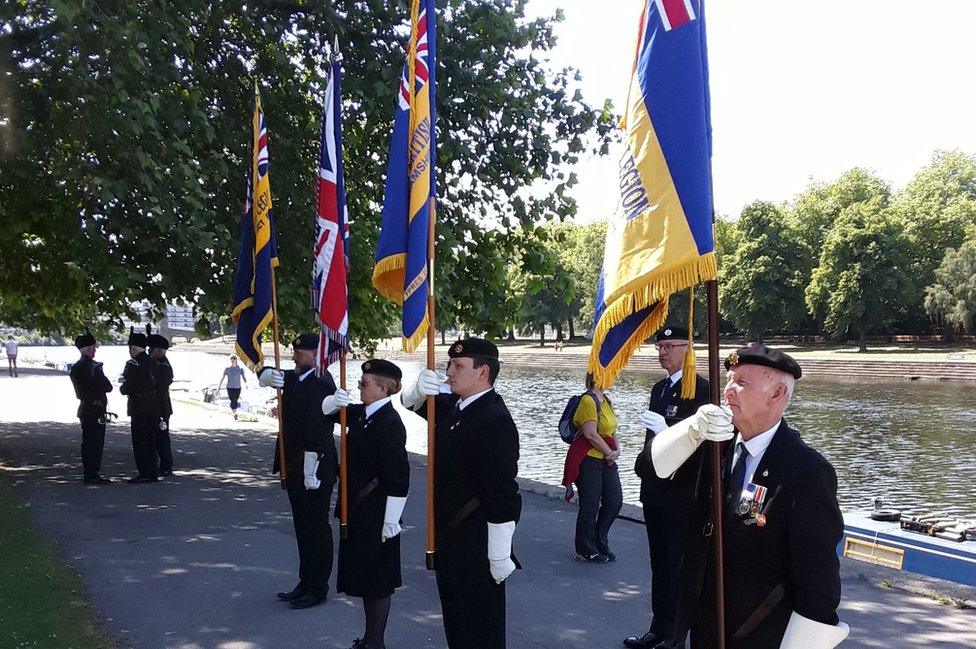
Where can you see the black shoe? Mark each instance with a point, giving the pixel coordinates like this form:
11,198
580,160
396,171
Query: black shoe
610,556
290,595
307,601
647,641
140,479
593,558
99,479
361,644
163,474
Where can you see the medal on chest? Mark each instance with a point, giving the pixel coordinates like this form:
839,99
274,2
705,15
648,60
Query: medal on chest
671,411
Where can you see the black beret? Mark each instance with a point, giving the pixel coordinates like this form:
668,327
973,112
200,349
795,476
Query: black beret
157,341
756,354
306,341
382,367
84,340
136,339
471,347
672,333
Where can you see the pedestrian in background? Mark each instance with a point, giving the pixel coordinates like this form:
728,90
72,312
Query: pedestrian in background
598,483
11,346
235,376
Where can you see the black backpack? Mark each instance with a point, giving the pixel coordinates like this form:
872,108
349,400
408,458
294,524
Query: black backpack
567,431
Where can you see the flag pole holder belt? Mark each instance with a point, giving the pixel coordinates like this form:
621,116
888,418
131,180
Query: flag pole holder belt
365,491
762,611
457,519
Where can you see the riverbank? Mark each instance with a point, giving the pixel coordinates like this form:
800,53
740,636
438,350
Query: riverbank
195,560
890,362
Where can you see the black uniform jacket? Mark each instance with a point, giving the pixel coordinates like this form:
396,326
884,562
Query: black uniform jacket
91,386
476,457
307,429
797,546
377,451
164,378
676,491
139,384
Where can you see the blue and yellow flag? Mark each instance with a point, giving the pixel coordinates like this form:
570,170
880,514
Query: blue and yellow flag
254,284
402,270
659,239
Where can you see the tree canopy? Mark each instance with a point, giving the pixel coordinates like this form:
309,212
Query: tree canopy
126,134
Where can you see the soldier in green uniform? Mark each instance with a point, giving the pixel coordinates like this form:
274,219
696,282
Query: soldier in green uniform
91,388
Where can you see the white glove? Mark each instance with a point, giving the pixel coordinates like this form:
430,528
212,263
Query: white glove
271,378
391,518
713,423
804,633
332,403
653,421
672,446
428,384
311,466
500,550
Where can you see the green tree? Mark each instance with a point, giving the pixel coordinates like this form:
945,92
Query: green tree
580,253
125,141
762,279
546,297
952,298
937,207
861,284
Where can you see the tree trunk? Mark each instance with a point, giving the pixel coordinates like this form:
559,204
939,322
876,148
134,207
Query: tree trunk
756,335
559,332
511,334
542,336
862,340
572,333
443,335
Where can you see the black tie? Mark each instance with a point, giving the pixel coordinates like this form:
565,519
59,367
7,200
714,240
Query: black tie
738,473
667,386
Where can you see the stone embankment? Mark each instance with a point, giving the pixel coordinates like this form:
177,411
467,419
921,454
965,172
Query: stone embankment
832,368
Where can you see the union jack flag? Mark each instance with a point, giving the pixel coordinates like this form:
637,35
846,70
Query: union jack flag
675,13
330,266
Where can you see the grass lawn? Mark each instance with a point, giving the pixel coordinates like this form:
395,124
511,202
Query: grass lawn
41,603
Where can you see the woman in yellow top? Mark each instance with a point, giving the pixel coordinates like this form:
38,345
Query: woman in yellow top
600,494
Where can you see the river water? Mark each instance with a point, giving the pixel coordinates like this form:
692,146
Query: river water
911,443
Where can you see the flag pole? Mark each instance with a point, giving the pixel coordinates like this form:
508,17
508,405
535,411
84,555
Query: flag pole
715,453
283,470
343,458
431,529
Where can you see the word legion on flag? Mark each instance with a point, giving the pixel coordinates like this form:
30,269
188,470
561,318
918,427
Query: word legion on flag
330,266
254,284
659,239
402,268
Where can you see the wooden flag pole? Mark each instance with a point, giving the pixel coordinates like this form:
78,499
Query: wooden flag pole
431,529
282,469
711,288
343,459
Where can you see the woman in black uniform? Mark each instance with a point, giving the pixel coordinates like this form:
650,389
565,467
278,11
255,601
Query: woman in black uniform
378,480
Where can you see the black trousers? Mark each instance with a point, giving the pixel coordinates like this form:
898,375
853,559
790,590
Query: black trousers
144,431
474,613
92,444
233,394
666,528
600,500
310,512
163,448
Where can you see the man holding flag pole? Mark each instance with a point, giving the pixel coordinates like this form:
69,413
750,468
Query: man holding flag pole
473,503
784,585
305,453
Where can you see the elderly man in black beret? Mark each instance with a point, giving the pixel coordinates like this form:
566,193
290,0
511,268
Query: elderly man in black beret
164,378
781,521
309,407
91,388
139,385
477,503
378,480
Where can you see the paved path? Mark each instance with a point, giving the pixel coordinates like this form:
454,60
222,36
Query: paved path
193,562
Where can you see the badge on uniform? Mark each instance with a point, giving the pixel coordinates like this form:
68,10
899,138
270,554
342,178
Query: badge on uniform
671,411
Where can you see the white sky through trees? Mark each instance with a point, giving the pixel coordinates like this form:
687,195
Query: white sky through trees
801,90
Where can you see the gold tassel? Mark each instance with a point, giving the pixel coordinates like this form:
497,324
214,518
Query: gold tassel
689,376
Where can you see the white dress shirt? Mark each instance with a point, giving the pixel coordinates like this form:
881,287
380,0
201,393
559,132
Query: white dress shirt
464,403
757,447
376,405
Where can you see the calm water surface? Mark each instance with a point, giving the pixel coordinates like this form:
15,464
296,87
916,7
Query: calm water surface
911,443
